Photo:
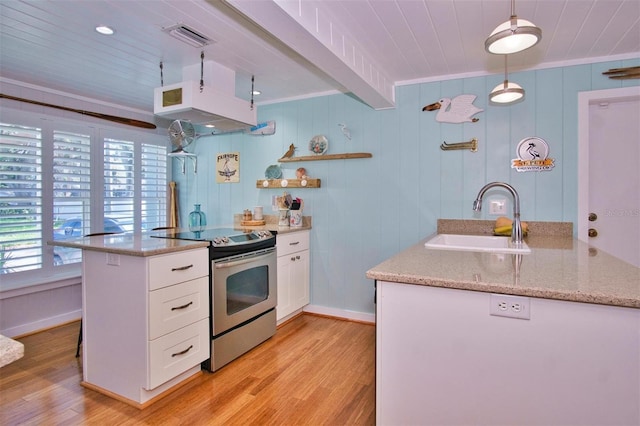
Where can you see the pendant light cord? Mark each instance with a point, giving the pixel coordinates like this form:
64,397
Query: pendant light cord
514,18
506,78
161,76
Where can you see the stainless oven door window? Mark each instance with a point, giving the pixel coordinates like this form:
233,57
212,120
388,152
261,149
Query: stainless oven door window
243,287
247,288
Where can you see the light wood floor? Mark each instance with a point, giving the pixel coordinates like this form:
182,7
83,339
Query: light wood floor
314,371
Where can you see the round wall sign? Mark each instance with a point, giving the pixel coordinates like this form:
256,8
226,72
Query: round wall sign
533,156
532,149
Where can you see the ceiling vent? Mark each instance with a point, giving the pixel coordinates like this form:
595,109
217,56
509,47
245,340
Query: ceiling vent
188,35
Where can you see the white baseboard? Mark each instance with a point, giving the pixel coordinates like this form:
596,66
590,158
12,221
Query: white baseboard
42,324
341,313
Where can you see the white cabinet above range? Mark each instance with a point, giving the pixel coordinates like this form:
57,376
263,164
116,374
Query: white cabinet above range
293,273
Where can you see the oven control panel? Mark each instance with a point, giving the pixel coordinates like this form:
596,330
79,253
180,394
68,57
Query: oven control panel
241,238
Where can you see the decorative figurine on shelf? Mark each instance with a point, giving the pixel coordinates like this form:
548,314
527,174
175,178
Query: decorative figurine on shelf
290,152
301,173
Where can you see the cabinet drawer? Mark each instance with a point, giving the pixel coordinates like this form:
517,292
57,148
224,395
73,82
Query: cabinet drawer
178,267
176,306
177,352
292,242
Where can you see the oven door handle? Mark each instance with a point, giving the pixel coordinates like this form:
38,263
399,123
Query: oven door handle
244,261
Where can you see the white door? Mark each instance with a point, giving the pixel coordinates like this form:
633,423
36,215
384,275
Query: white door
609,216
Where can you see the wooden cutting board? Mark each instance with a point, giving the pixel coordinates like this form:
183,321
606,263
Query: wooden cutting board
252,222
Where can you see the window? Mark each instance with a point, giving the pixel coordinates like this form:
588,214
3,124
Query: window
153,184
71,192
20,198
119,175
63,180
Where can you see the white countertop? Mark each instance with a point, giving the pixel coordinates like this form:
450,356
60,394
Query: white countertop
559,268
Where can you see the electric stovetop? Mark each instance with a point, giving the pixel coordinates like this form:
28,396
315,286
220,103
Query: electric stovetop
225,237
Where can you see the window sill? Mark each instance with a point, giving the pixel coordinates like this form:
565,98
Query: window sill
13,287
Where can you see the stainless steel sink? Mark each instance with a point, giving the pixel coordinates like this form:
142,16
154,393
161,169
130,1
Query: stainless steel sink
482,243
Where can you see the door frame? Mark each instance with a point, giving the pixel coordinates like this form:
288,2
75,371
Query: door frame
585,100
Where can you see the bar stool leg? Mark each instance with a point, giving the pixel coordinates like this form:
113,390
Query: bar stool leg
79,340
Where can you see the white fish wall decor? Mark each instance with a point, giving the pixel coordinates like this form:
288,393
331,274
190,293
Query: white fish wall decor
457,110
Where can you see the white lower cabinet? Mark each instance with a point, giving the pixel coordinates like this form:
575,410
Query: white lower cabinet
145,322
293,273
442,359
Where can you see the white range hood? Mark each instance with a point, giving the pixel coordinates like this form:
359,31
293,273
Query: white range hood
216,104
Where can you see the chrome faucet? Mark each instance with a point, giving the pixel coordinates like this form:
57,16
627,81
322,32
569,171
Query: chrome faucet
516,229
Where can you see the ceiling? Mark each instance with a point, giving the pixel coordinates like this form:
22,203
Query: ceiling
294,49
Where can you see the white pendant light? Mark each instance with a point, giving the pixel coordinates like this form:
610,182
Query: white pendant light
512,36
506,92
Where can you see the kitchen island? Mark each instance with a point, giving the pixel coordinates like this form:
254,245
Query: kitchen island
145,314
442,358
146,309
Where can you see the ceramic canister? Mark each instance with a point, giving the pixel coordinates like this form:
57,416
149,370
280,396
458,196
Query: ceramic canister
257,213
295,218
283,217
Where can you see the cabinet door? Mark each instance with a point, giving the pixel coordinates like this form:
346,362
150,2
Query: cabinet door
293,282
283,308
300,279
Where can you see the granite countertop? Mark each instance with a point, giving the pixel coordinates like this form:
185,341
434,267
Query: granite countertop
271,224
137,244
10,350
130,244
558,267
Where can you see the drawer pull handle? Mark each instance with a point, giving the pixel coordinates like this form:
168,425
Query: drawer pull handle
182,268
177,308
182,352
294,243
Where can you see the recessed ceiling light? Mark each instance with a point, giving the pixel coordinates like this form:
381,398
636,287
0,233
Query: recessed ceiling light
210,125
105,30
256,92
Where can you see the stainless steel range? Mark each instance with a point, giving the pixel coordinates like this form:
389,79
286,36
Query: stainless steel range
242,282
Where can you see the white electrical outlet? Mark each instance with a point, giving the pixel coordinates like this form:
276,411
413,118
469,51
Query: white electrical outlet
503,305
113,259
498,207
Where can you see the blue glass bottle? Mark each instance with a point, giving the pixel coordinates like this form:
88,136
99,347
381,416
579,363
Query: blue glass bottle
197,219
